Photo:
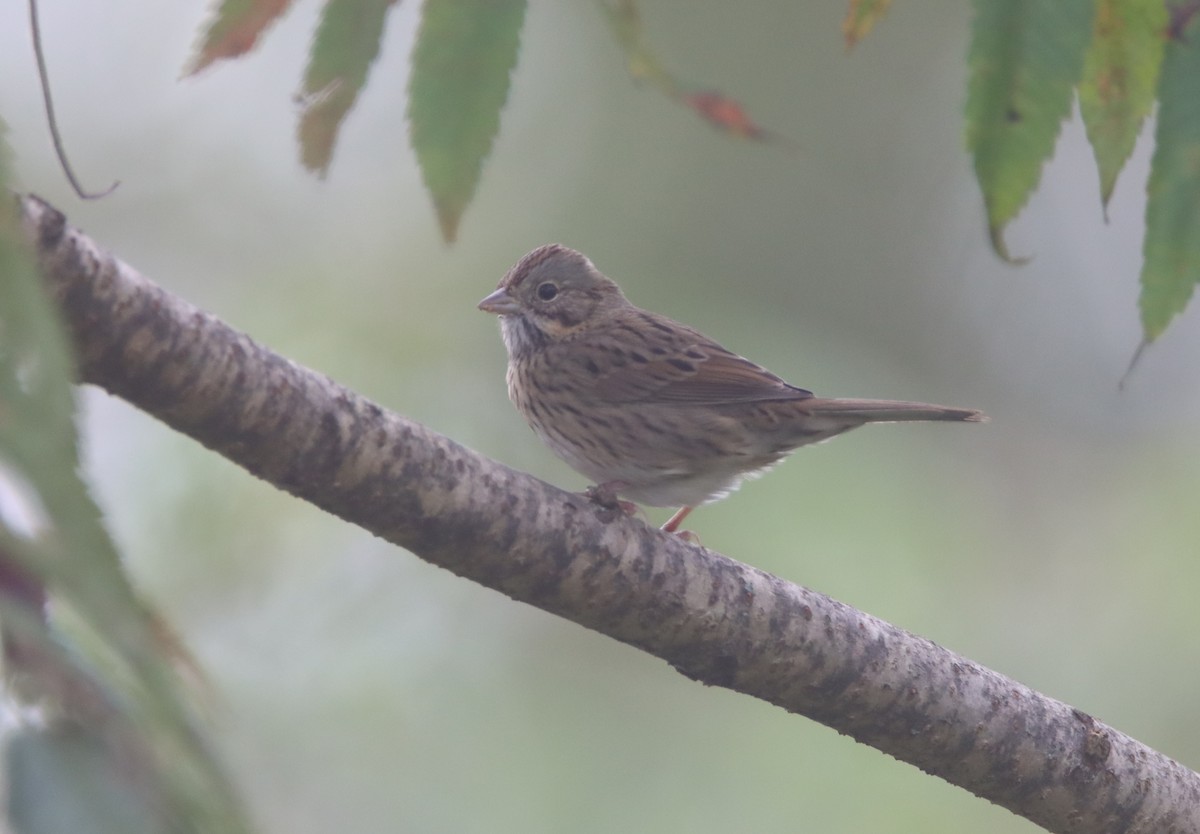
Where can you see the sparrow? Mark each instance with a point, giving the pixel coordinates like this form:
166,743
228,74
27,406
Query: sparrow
650,409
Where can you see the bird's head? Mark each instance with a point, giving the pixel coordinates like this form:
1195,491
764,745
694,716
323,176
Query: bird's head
551,294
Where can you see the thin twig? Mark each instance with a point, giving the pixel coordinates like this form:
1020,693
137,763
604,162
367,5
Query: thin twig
44,77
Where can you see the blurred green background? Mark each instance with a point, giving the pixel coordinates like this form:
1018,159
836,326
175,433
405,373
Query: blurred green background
357,688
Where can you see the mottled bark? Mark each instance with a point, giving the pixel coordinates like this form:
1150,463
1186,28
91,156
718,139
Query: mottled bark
715,620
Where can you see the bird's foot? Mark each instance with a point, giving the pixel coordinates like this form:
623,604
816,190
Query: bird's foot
605,496
672,526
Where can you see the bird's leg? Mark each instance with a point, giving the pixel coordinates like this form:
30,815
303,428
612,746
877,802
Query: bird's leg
672,525
605,495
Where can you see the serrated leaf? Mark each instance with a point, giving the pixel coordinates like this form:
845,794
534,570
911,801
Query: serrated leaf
1171,251
465,52
1025,58
235,29
345,46
861,18
1120,74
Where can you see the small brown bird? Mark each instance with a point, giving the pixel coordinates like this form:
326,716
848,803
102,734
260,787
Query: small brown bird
649,408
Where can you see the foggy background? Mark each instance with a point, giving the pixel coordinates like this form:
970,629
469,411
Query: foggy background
359,689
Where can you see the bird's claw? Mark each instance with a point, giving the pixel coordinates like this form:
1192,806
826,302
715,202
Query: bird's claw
605,496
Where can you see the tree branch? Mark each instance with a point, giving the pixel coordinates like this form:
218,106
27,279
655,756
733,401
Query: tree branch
715,620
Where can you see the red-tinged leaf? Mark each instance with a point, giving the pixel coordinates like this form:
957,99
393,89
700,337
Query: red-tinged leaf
345,46
1026,57
1172,245
1120,74
465,52
235,30
729,116
725,113
861,18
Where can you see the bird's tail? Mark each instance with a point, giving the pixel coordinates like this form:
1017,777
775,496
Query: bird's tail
889,411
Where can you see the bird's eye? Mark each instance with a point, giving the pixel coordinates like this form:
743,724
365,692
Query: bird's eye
546,291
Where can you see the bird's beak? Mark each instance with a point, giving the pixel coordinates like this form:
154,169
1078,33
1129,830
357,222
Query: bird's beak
500,303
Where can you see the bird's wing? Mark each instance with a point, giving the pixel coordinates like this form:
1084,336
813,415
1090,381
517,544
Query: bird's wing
684,367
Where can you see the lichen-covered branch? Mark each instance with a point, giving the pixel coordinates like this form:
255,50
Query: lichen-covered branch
715,620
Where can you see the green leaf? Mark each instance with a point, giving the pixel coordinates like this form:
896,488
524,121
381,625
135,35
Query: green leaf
1025,59
114,671
235,30
465,52
1120,74
346,44
1172,246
